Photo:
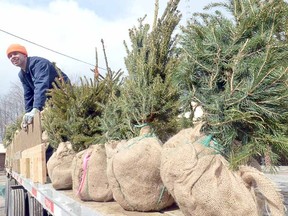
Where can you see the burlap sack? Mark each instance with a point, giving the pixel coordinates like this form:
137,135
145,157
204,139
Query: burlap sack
264,189
134,175
59,166
202,184
185,136
89,176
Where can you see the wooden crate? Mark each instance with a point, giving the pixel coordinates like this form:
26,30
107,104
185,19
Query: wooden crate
30,138
26,155
33,163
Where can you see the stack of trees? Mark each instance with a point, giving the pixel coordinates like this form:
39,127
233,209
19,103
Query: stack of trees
234,67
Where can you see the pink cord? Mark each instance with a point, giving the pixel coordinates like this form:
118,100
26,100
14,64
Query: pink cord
84,167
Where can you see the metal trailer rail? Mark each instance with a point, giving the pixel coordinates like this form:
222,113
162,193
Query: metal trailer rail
55,202
60,202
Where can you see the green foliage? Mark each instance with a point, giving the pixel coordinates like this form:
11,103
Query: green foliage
148,94
10,131
237,70
74,112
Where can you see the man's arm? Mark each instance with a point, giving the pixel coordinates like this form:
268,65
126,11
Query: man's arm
42,76
28,93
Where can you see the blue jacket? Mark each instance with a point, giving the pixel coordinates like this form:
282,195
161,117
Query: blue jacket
38,77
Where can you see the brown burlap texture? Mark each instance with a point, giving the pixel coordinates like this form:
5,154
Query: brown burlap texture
202,184
185,136
95,183
59,166
134,175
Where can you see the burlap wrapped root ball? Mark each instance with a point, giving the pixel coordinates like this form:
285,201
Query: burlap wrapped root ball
59,166
134,174
202,184
89,175
266,192
185,136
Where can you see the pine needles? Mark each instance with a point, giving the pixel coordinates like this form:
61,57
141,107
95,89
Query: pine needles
237,71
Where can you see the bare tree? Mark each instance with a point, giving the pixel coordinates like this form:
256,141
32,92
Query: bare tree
11,107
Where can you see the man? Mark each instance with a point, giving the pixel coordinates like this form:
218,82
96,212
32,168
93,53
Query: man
36,75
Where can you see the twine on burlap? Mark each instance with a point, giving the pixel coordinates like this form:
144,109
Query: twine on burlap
84,168
201,182
137,139
89,176
134,176
161,194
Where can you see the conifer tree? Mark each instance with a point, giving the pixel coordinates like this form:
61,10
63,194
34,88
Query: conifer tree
74,112
236,69
10,131
148,95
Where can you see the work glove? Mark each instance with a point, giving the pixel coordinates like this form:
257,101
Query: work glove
28,118
24,126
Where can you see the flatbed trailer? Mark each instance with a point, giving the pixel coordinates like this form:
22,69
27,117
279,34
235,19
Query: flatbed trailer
35,199
29,192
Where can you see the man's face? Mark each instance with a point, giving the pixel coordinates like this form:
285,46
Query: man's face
18,59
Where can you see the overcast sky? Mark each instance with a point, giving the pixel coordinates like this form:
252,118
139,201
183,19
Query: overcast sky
74,28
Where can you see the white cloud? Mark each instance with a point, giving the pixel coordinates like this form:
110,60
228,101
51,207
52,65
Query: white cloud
63,27
68,27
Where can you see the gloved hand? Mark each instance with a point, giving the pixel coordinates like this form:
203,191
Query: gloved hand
24,126
28,117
